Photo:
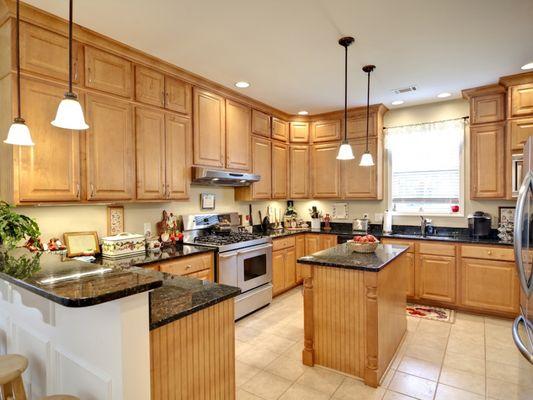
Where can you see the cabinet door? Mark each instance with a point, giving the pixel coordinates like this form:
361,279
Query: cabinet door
50,170
299,172
46,53
280,129
488,108
280,170
357,126
110,149
290,267
521,97
107,72
436,277
521,130
278,271
149,86
487,166
299,132
325,170
150,148
260,123
203,275
178,95
361,182
489,285
410,260
178,134
323,131
238,138
312,244
262,165
209,124
327,241
300,252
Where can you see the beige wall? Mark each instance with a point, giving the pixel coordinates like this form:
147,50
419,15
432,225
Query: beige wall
55,220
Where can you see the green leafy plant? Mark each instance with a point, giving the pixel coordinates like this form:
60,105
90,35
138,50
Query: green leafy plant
15,227
21,267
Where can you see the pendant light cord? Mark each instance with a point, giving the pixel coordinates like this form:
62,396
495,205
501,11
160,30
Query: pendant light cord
70,47
367,108
18,61
346,94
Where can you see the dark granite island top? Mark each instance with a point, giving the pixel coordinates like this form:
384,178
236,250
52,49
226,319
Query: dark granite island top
342,256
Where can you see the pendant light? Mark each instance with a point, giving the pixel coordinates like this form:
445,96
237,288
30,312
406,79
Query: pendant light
366,158
19,133
69,113
345,151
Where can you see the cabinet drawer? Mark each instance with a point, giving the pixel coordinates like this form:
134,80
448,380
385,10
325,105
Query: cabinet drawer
411,245
440,249
187,265
283,243
489,253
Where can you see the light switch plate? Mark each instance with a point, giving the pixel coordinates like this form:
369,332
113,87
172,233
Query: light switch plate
378,217
147,229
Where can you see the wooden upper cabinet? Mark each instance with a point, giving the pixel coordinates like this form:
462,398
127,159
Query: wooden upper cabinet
209,124
150,145
46,53
299,132
149,86
260,123
362,182
357,125
487,108
110,149
324,131
238,138
435,277
521,99
178,95
280,129
326,171
178,144
520,130
50,170
107,72
280,170
487,161
262,165
299,172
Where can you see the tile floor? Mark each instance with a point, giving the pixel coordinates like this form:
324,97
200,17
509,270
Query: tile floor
472,359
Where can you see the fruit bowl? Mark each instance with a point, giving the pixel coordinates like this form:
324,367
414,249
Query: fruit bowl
363,244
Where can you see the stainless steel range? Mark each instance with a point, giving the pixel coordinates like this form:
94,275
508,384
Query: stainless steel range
244,259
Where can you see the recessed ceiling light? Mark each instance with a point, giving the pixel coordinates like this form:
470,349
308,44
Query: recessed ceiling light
443,95
303,112
242,84
527,66
397,102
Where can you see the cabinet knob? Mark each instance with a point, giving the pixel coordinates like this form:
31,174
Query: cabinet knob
92,190
188,266
489,252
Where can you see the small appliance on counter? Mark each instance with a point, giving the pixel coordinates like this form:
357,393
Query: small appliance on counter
479,224
123,245
360,225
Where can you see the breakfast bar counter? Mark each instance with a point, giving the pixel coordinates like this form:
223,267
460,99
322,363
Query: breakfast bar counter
354,309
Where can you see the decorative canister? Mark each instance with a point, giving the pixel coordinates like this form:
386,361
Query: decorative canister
123,244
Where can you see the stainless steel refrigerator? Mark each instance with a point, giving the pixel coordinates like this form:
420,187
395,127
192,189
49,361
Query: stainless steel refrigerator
523,249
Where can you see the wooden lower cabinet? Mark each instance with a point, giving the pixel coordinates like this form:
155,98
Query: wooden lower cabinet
300,252
290,267
312,243
435,277
409,259
199,266
489,285
283,270
327,241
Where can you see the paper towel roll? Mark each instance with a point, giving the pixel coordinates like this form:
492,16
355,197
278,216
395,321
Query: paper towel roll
387,222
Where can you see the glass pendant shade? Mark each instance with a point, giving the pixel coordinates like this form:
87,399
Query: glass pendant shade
69,114
366,160
345,152
19,134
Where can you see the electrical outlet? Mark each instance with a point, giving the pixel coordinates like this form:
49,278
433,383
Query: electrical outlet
147,229
378,218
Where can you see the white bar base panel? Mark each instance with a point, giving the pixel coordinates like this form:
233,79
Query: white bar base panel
96,353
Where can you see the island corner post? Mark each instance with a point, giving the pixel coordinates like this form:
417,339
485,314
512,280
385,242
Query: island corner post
354,320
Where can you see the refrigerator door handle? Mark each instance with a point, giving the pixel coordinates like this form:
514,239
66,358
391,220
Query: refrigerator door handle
523,194
518,341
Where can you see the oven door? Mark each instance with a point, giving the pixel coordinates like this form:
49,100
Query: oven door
254,266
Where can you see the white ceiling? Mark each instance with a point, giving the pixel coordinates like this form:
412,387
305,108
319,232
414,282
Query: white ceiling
288,49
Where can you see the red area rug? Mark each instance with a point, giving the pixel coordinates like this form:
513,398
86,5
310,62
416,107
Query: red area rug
429,312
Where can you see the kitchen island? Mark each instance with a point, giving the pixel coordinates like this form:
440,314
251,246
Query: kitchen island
112,330
354,309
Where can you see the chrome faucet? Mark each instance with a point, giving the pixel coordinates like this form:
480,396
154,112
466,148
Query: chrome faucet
424,225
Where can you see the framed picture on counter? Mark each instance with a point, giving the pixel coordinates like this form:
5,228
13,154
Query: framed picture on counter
115,220
506,214
81,243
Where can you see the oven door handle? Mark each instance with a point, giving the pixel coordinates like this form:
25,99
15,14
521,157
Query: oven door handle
228,255
252,249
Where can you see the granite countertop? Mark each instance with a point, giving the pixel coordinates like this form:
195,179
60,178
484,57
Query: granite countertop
342,256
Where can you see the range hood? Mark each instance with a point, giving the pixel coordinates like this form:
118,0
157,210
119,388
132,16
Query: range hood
214,177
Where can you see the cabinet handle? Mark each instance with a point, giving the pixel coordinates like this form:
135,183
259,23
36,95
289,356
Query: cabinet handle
92,190
168,191
89,73
188,266
78,190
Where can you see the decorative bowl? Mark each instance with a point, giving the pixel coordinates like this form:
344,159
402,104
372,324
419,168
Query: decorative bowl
362,247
